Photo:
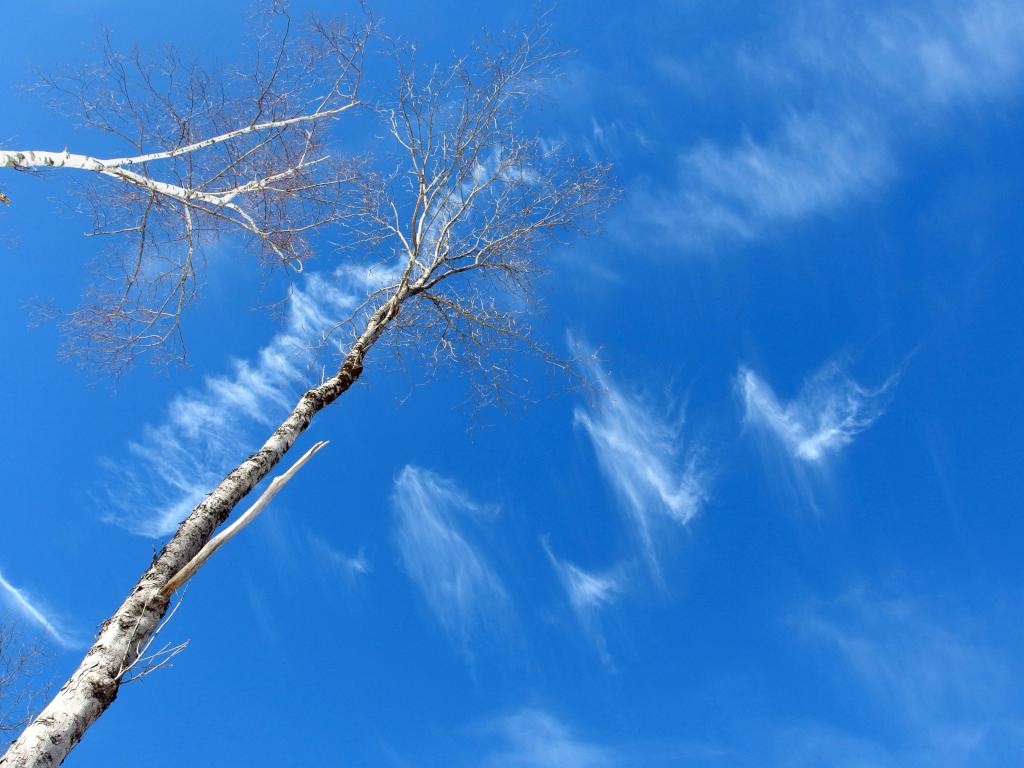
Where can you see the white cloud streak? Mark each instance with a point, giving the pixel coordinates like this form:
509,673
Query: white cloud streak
642,456
454,577
828,413
532,738
22,603
206,432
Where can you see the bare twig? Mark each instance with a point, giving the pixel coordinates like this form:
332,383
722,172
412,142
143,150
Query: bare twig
145,663
19,662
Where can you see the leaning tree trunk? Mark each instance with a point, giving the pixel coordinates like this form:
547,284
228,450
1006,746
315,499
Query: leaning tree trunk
47,741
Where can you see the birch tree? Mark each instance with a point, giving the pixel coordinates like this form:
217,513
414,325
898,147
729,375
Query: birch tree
462,219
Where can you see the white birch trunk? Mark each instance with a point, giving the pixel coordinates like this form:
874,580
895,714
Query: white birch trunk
92,688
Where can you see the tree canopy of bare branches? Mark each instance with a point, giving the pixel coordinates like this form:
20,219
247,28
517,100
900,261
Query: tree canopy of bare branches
461,213
470,208
242,150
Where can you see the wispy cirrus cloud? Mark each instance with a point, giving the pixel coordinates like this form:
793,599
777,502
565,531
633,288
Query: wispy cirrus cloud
923,668
588,593
814,163
940,677
931,682
453,575
532,738
879,76
917,55
20,601
830,410
349,565
207,431
658,480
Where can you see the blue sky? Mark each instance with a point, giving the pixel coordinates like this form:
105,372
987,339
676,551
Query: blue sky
785,531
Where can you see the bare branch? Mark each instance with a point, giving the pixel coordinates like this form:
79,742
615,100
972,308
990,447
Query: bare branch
247,517
145,662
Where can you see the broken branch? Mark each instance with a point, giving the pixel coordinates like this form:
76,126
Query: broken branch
247,517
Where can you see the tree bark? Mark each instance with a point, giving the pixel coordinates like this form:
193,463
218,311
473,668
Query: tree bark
92,688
